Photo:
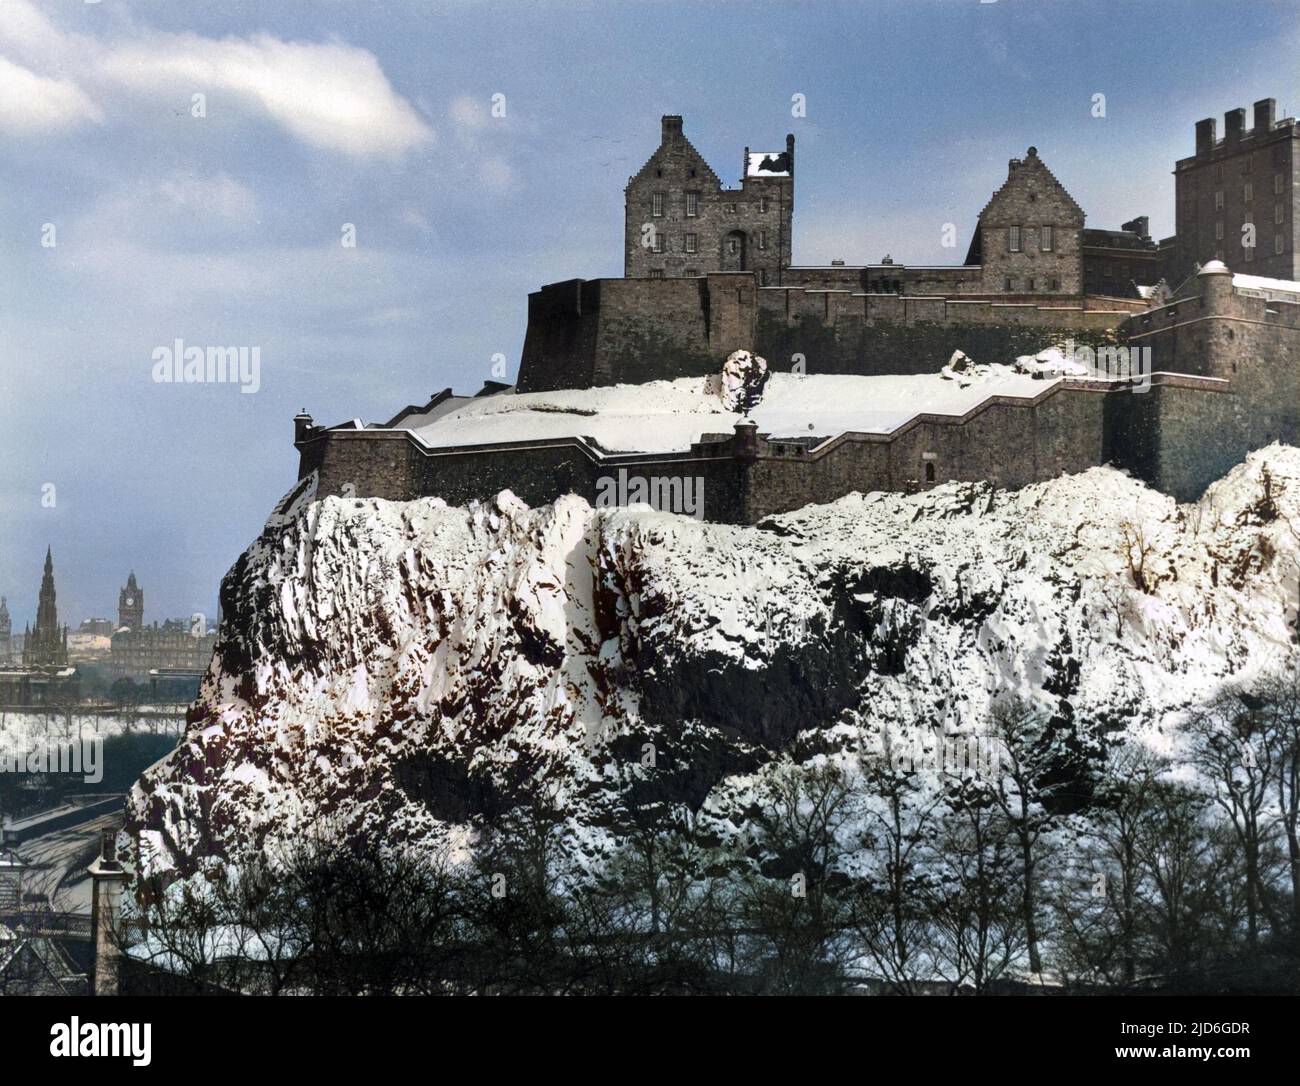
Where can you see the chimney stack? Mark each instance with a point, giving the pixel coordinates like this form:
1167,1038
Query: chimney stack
1265,115
1235,122
672,128
1206,133
1141,226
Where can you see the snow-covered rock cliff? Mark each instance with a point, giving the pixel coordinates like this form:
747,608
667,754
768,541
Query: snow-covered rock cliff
401,668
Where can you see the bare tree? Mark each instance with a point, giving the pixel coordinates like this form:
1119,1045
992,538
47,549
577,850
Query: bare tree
1235,755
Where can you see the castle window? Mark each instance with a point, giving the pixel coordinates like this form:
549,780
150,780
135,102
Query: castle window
1045,238
1245,163
762,239
1218,230
1279,212
1279,243
1277,184
762,205
1248,251
1218,200
692,204
1030,286
691,241
1053,284
762,277
1008,284
657,206
691,273
929,471
1218,171
692,172
1247,192
658,242
733,245
656,273
1013,239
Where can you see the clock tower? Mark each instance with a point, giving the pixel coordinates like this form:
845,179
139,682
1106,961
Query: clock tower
130,605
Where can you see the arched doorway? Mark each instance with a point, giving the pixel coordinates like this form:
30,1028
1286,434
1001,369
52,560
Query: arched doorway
734,251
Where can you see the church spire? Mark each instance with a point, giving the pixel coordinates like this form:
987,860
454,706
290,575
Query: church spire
46,645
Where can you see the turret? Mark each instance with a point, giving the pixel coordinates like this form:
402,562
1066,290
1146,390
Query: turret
1215,281
302,427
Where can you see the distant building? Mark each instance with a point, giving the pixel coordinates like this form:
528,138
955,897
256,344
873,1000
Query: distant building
130,605
138,649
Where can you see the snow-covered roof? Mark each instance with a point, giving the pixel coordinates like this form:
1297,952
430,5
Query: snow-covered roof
667,416
1259,284
767,164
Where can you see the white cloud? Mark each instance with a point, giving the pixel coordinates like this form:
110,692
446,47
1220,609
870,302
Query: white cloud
329,95
222,196
332,96
35,103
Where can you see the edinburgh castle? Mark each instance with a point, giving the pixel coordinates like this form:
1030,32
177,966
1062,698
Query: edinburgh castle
1214,312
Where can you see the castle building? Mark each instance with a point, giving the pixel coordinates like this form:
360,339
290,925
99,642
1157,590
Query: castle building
680,221
1028,239
1120,263
6,634
130,605
46,646
1218,350
1246,179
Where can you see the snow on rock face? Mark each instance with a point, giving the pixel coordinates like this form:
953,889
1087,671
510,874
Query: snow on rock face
743,377
400,668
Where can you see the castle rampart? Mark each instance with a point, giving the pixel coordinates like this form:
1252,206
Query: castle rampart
610,331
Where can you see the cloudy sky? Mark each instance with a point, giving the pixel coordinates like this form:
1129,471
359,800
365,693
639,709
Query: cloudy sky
131,217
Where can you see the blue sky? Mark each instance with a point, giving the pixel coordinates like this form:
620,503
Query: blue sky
225,229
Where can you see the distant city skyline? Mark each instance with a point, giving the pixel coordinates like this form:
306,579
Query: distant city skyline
151,616
476,152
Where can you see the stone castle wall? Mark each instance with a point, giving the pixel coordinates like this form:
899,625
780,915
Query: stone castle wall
1226,380
1010,441
611,331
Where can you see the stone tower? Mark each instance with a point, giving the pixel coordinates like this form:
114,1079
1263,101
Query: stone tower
679,220
130,605
47,644
6,633
1247,178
